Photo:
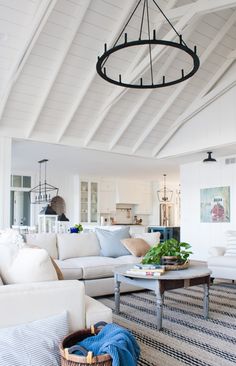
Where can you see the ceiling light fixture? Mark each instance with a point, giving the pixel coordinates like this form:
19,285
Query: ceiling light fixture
164,194
209,158
43,192
123,42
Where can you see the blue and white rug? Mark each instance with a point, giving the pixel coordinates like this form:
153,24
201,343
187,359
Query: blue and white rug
187,338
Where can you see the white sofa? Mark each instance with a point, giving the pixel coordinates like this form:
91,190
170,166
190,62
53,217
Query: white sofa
78,257
21,303
221,264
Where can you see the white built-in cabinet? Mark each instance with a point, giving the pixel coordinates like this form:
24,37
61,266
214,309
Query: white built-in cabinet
107,197
101,196
144,206
127,192
136,193
88,201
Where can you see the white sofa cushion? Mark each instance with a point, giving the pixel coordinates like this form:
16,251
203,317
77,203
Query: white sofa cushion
77,245
151,238
30,265
70,268
92,267
46,241
34,343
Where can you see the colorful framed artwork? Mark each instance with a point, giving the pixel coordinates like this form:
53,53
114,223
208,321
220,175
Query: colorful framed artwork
215,204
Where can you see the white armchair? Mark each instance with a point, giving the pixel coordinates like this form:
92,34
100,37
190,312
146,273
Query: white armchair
222,264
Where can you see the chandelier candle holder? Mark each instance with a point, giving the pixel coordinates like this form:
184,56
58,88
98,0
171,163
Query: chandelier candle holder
123,42
43,192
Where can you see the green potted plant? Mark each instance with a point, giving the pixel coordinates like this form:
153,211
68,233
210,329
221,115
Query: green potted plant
171,251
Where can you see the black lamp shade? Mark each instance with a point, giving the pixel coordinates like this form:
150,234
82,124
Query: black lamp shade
209,158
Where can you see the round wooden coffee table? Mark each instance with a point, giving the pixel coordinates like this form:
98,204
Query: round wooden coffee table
196,274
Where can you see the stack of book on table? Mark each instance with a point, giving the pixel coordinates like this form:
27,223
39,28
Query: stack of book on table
149,270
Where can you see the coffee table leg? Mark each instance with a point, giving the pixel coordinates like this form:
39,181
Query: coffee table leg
160,303
117,296
206,300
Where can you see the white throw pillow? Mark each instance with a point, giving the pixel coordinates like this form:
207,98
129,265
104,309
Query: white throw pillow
30,265
231,243
35,343
46,241
1,283
77,245
11,237
151,238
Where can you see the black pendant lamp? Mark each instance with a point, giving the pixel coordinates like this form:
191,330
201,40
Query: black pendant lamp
209,158
44,191
150,39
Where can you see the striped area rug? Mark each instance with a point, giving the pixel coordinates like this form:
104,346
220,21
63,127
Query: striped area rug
187,338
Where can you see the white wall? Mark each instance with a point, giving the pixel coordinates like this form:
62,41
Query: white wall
194,177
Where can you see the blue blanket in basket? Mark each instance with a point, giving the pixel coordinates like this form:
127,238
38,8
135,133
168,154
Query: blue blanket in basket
118,342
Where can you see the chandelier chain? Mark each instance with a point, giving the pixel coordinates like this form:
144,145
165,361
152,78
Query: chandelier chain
150,46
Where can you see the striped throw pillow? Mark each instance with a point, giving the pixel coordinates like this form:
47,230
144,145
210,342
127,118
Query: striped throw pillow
33,344
231,243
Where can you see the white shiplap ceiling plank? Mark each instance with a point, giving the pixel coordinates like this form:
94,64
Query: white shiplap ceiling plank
213,44
60,60
197,106
82,92
44,10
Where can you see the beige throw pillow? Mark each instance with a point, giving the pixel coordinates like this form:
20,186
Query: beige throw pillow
136,246
30,265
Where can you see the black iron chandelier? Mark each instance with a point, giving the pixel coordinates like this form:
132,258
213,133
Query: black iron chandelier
43,192
150,41
164,194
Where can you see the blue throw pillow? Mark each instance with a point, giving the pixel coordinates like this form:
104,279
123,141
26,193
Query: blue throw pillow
110,242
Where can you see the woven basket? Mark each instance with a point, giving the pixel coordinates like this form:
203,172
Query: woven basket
176,267
70,340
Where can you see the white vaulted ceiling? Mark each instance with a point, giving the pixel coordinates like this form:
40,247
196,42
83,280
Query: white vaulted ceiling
50,91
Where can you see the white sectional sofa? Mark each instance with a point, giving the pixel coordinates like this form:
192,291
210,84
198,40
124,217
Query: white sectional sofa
78,257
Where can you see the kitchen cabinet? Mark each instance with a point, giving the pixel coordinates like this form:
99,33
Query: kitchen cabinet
107,197
127,192
88,201
144,207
